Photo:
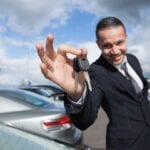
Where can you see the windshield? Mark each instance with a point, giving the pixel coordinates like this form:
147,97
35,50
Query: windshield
25,98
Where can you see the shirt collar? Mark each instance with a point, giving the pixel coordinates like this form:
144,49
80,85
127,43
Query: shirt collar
119,65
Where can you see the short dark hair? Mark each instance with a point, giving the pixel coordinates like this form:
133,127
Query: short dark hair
108,22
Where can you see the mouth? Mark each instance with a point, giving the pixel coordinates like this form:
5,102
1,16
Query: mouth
116,57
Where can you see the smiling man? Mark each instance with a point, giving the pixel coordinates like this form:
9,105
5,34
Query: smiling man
112,42
118,85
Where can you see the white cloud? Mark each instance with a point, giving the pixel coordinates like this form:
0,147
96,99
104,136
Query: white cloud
139,45
92,49
2,29
131,11
14,71
32,16
135,16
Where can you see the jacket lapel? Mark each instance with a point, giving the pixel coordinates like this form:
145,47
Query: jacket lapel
123,84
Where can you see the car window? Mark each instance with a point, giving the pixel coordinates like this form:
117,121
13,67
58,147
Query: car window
25,99
50,89
8,105
40,91
54,90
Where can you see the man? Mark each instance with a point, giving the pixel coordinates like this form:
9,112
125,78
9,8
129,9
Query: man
118,85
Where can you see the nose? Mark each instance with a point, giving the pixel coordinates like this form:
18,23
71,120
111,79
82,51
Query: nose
114,49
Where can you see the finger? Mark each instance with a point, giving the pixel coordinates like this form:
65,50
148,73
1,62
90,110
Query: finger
49,46
45,71
83,53
40,50
64,49
44,58
48,62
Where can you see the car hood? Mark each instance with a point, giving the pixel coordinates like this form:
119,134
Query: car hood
32,121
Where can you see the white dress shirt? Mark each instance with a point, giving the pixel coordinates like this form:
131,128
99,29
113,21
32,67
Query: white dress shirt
132,73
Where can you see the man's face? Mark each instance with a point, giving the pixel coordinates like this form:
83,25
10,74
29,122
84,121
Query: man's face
112,42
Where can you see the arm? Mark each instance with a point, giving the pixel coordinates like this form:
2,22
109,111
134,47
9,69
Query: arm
57,67
87,112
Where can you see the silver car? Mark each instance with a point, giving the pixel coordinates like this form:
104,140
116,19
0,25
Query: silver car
38,115
14,139
46,90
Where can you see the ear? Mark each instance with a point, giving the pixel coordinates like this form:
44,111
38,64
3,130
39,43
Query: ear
98,44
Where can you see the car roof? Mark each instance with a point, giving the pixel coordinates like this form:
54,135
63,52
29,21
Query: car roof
24,100
48,86
48,90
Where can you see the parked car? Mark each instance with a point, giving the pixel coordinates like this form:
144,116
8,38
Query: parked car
47,91
14,139
38,115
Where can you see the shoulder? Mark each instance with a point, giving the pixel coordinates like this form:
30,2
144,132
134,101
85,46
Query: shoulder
102,64
97,66
134,62
101,67
131,56
132,59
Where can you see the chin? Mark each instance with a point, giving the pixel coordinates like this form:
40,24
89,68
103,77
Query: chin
117,62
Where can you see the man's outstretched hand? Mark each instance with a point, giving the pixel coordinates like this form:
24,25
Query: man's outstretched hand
57,67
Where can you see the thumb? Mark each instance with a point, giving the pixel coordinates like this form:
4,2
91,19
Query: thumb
83,52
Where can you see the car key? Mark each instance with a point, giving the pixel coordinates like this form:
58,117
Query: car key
82,64
76,79
77,70
87,79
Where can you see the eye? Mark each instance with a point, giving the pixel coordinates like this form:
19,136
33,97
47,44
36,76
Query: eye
107,46
120,42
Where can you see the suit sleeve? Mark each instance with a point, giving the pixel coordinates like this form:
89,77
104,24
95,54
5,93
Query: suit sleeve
89,110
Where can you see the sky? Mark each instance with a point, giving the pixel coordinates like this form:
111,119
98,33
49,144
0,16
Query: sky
24,23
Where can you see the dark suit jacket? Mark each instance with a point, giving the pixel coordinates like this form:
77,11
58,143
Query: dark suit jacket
128,113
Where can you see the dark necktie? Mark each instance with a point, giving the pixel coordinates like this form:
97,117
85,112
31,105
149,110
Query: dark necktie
130,77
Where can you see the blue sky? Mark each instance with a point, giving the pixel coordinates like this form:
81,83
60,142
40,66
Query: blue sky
23,23
80,27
